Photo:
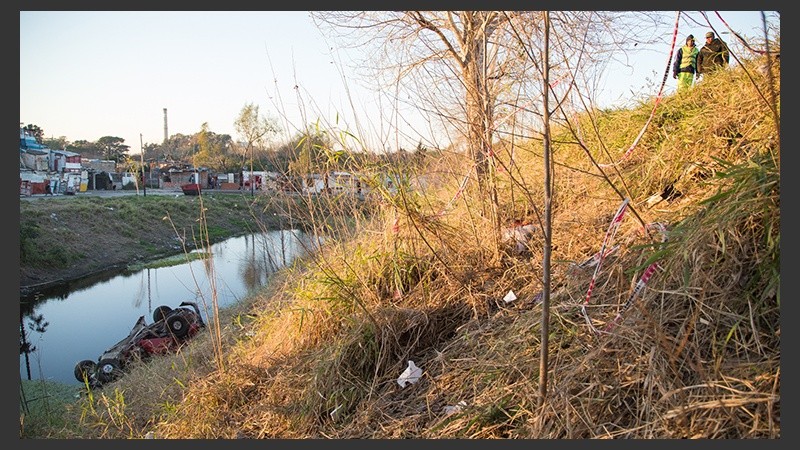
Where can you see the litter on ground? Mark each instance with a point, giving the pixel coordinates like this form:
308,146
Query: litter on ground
410,375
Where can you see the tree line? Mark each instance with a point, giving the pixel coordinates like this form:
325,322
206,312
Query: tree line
310,151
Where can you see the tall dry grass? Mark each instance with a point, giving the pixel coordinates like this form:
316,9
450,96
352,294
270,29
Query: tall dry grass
317,354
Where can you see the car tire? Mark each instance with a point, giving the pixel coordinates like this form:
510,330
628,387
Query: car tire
108,370
178,325
85,370
161,313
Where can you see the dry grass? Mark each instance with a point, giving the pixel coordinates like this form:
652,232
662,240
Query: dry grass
697,355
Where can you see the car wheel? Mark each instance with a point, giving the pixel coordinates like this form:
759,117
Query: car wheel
161,312
108,370
85,370
178,325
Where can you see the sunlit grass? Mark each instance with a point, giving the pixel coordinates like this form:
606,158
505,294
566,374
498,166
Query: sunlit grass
411,274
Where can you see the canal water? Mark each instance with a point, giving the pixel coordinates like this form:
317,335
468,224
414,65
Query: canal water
67,327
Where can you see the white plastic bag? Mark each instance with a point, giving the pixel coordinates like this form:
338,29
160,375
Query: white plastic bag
454,409
410,375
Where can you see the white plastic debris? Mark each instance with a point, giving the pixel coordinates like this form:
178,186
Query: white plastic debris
454,409
510,297
518,235
335,412
654,200
410,375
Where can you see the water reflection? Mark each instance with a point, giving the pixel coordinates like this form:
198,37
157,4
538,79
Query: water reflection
80,321
34,323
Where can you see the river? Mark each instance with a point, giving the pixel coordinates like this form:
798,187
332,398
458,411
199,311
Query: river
64,328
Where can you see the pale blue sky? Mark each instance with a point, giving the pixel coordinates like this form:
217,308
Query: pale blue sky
89,74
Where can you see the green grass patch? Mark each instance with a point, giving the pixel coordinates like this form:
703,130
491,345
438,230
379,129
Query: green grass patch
43,407
170,261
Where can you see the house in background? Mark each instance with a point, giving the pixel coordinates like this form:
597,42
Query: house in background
174,177
34,165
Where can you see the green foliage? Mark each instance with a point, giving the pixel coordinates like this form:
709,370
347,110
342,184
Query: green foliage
748,203
35,131
55,143
30,253
28,232
113,147
737,235
310,148
89,150
169,261
213,150
43,408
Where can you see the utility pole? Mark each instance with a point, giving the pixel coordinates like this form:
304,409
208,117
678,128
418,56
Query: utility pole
141,154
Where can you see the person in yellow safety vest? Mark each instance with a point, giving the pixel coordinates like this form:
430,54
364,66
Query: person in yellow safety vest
685,65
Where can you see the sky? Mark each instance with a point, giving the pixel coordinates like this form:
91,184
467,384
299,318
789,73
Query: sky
89,74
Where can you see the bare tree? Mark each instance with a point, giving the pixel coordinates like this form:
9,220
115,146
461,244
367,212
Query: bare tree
481,72
491,75
454,47
253,129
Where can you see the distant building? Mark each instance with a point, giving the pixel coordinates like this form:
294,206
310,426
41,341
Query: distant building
99,165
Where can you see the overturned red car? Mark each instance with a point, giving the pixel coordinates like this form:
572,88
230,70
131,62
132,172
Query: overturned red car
170,328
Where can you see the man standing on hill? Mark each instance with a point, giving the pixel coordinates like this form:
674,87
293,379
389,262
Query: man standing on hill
685,64
713,55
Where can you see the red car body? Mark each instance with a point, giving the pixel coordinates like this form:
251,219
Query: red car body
169,330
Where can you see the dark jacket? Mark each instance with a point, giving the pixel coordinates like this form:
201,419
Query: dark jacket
712,56
685,60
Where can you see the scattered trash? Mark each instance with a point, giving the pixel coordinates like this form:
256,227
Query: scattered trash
150,435
654,200
669,193
518,235
454,409
410,375
510,297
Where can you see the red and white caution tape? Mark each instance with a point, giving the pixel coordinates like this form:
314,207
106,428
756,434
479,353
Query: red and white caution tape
640,285
396,223
636,291
658,97
458,193
609,237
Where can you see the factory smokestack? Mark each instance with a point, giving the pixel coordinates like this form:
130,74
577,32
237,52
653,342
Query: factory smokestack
166,135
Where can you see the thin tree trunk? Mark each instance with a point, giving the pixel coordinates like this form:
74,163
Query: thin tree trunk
479,107
547,225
